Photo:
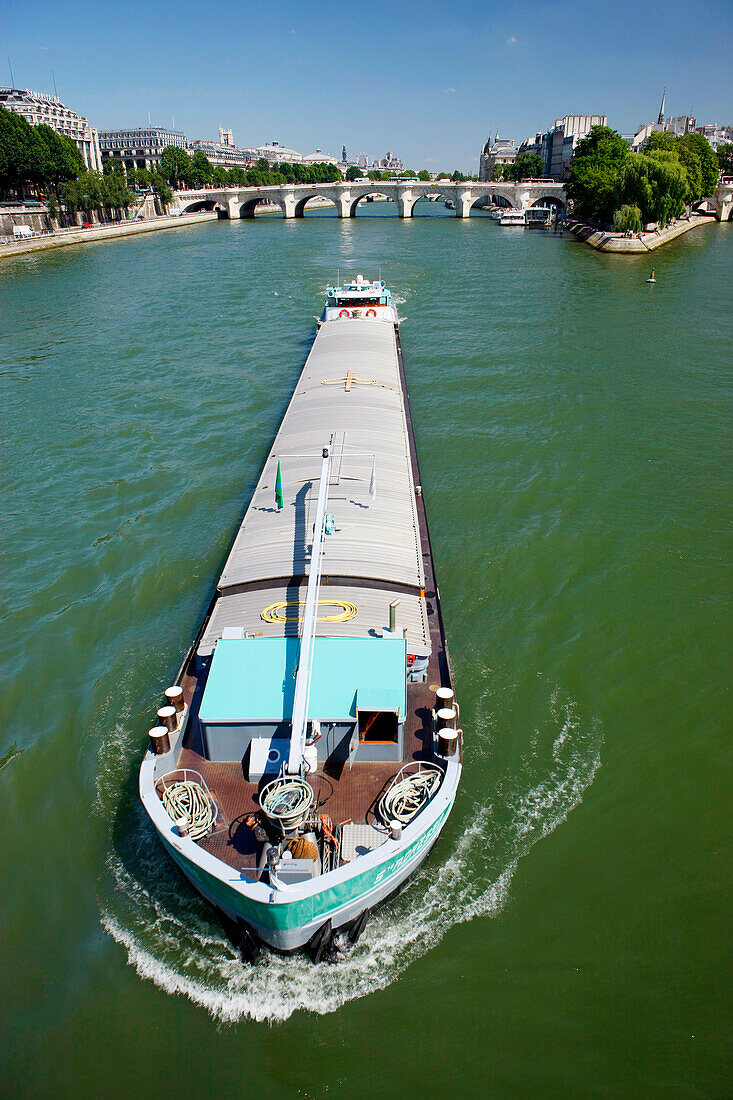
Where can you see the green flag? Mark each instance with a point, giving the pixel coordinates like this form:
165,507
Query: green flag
279,489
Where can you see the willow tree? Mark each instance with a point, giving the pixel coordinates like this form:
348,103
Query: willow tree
656,184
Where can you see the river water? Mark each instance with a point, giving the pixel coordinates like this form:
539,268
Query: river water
568,935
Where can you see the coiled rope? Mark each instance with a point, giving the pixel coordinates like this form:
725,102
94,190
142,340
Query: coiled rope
287,801
188,799
277,612
408,795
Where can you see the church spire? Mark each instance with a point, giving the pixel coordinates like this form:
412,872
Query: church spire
660,120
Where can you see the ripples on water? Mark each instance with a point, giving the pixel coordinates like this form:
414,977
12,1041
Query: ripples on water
566,463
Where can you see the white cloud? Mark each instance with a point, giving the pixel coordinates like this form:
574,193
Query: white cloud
511,40
453,90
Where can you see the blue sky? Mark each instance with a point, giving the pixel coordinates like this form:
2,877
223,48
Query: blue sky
424,79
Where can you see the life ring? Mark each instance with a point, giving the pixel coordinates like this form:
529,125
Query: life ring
371,313
344,313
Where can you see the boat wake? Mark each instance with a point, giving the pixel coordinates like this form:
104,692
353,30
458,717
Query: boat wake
171,938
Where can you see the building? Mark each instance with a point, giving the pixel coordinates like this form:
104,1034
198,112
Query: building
388,163
276,153
557,146
681,124
38,108
138,148
646,128
319,157
715,134
500,151
226,137
222,154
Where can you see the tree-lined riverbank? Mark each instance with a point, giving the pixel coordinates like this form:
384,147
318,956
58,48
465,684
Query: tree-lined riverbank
63,237
639,243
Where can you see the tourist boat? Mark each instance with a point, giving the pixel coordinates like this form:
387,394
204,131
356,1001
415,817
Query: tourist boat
450,204
537,217
513,217
308,755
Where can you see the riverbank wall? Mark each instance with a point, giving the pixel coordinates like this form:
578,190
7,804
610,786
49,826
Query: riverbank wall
641,243
63,237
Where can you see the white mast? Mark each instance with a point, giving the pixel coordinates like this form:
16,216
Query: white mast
301,698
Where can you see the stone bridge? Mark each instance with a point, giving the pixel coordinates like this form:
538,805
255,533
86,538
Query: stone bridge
722,201
240,202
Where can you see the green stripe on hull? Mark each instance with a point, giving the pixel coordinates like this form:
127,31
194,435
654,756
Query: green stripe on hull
284,915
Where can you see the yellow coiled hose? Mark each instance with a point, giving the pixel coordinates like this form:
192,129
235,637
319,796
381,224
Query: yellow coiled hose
274,613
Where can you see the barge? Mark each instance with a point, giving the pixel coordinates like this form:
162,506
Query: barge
307,757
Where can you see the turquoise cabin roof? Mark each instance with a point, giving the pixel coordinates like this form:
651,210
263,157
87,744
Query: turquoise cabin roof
253,679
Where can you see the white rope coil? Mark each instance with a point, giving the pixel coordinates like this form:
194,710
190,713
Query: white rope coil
188,799
287,801
407,796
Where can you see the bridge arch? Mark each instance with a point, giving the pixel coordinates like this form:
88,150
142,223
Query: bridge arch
303,201
371,195
489,199
206,204
429,199
549,200
247,209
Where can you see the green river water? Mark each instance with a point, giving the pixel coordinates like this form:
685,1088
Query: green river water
568,936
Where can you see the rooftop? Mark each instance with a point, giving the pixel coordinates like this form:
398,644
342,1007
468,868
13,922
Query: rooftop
253,679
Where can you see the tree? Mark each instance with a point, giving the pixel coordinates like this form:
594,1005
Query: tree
139,177
660,139
424,175
627,219
708,160
657,186
526,166
160,186
60,156
201,169
725,158
20,153
219,176
691,162
595,173
176,164
353,173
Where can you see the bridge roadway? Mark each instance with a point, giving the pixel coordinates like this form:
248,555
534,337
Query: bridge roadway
240,202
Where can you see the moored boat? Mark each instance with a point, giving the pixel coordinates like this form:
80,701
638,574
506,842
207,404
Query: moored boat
309,754
513,217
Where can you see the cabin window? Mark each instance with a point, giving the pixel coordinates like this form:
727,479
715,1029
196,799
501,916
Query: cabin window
357,302
378,727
